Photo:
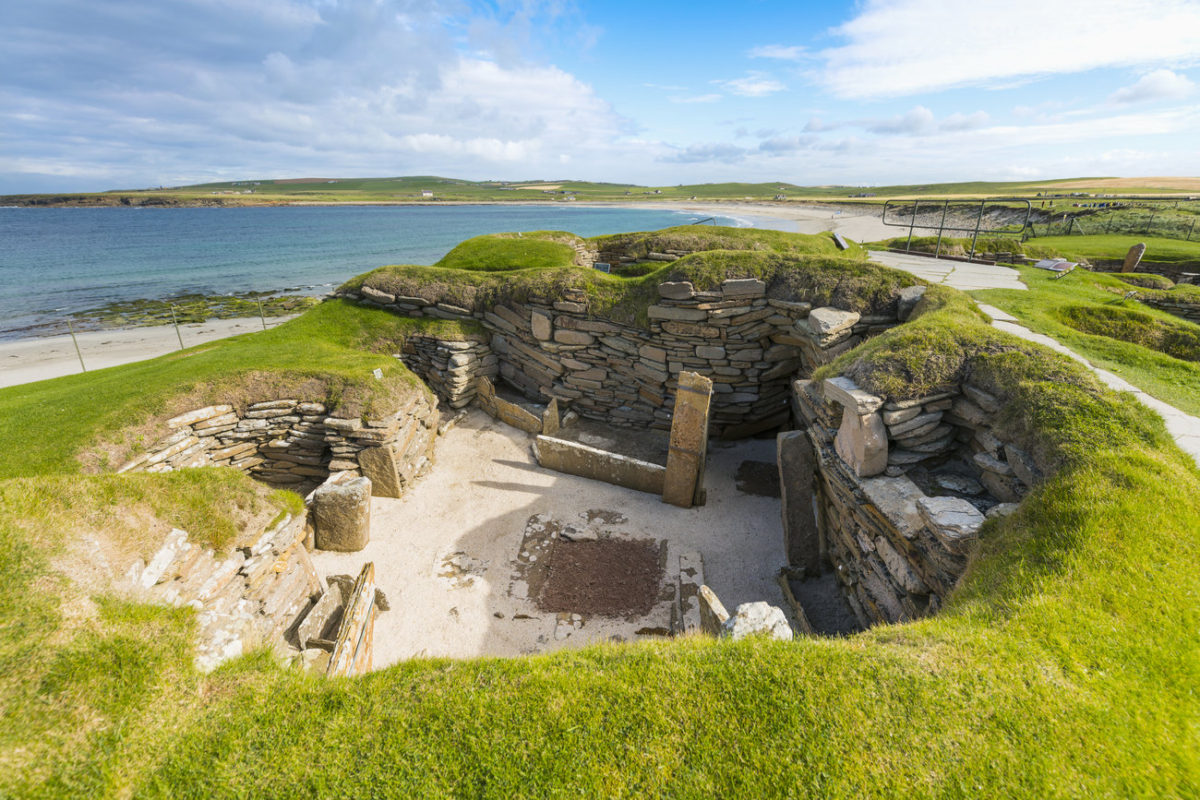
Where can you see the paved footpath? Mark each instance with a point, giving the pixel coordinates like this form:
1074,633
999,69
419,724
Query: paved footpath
1184,427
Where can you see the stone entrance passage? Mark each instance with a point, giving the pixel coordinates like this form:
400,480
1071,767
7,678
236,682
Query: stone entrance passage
492,555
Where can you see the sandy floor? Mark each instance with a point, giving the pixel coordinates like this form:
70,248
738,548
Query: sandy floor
26,360
456,555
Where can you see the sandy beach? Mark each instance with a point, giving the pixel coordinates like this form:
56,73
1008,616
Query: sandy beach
27,360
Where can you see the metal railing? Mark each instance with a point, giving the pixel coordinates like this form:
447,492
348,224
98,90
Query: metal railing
905,217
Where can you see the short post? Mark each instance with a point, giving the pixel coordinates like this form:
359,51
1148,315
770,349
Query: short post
175,322
941,228
1191,228
683,484
908,245
71,328
975,237
261,315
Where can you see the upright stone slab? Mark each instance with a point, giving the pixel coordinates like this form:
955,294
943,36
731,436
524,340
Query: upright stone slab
342,515
862,443
797,465
379,465
1134,257
689,441
551,421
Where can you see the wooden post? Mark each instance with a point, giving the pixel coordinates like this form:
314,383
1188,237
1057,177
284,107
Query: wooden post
684,481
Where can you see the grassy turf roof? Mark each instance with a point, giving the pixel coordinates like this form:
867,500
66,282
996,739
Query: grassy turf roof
1065,663
795,266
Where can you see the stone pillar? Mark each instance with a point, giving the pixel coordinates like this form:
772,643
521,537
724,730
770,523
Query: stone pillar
797,467
342,515
689,441
1134,257
862,439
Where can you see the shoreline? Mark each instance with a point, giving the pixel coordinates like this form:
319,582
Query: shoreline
28,360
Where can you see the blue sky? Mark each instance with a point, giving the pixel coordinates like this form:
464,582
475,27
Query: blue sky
98,94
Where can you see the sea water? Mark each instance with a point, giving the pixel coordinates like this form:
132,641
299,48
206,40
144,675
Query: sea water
54,261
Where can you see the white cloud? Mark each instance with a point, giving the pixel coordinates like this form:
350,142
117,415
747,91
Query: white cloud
700,98
964,122
918,120
902,47
778,51
1161,84
754,84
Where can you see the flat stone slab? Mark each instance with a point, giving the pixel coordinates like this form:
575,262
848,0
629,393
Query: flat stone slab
846,392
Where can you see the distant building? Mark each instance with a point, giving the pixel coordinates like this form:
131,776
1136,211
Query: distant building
426,193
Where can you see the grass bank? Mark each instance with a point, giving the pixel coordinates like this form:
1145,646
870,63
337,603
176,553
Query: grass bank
326,355
1051,307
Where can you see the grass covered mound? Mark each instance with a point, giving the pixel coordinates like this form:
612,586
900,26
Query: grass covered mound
1065,663
500,252
1176,339
327,355
795,266
1043,308
694,238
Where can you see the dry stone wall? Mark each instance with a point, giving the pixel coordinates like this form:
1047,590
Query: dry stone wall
751,346
1188,311
451,368
902,490
248,597
294,444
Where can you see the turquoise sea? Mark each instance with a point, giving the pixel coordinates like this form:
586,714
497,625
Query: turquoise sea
54,261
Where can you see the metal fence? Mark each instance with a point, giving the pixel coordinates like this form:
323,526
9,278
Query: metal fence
1006,216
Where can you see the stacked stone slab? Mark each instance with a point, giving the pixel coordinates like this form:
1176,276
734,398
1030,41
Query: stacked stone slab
451,368
293,444
897,551
750,346
248,597
1178,307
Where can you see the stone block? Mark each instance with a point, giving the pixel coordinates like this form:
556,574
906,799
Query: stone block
541,325
827,322
676,314
758,618
862,443
899,567
743,287
897,499
563,336
846,392
953,521
713,615
600,465
342,515
381,467
676,290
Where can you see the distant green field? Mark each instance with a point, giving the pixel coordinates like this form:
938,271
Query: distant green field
434,189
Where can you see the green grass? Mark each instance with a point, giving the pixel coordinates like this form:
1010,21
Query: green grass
503,252
326,355
1176,339
1063,665
1114,248
1042,309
